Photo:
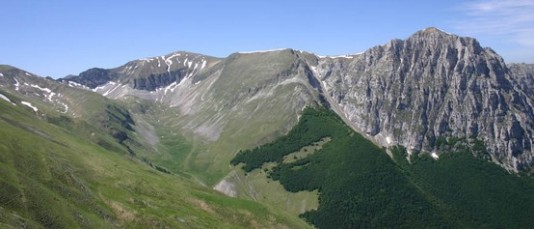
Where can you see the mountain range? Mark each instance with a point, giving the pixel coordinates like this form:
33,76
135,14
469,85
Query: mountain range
407,92
407,107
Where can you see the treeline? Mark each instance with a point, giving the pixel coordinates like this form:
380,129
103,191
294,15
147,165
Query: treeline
361,187
312,127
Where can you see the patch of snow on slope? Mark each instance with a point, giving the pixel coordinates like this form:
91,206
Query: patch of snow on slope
341,56
47,90
112,89
28,104
74,84
6,99
17,84
170,87
1,74
262,51
169,62
28,74
65,108
434,155
388,140
99,88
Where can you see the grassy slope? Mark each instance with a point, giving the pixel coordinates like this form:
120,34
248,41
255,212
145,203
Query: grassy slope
52,177
360,186
241,91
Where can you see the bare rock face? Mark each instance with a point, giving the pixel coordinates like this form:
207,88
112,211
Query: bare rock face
523,75
432,84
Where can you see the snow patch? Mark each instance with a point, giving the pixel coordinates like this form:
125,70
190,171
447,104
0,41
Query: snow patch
74,84
388,140
6,99
262,51
1,74
65,108
28,74
47,90
434,155
99,88
17,84
28,104
340,56
112,89
170,87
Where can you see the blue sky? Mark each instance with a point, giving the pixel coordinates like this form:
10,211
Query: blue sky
56,38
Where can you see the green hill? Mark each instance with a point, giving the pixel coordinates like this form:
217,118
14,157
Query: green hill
60,172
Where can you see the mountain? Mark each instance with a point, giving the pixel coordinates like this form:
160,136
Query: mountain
148,74
411,92
405,134
433,85
265,90
70,158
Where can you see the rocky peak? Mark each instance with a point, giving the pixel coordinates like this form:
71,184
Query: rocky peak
433,85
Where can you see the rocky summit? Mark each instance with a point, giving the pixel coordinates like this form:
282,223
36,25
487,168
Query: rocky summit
434,84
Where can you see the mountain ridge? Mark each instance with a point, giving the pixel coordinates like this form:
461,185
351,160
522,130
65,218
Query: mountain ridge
462,63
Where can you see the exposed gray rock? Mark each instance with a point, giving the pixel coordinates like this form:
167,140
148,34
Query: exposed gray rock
523,75
409,92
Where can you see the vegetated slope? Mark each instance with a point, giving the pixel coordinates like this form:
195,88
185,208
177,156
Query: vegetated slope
59,171
360,186
209,108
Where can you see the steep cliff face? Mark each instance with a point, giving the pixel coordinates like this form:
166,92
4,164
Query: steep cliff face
433,84
523,75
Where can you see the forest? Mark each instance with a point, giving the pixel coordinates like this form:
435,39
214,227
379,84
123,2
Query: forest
360,186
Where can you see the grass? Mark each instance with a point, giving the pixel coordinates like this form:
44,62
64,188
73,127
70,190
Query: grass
55,165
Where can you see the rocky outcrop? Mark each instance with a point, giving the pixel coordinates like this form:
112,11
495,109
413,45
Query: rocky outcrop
412,91
93,77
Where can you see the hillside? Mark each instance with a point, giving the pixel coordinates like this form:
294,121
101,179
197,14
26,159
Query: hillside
360,186
80,171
